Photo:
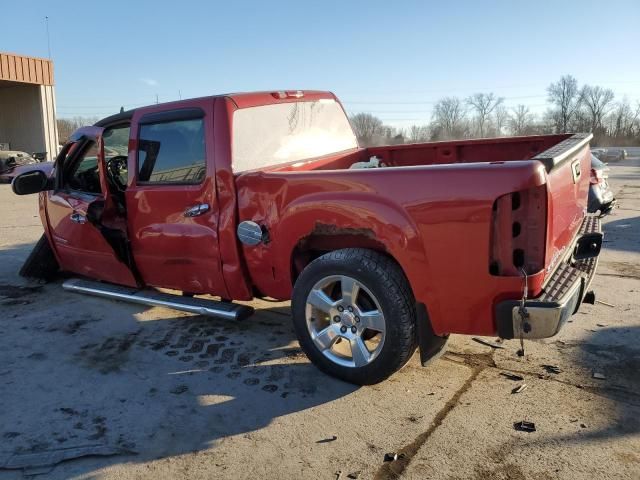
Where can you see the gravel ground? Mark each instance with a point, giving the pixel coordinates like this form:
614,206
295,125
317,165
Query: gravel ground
161,394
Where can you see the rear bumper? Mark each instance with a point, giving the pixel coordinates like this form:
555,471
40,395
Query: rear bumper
562,293
600,199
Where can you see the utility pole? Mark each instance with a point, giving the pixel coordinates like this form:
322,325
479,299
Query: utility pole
157,99
46,22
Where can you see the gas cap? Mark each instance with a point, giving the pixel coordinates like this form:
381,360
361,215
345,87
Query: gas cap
250,233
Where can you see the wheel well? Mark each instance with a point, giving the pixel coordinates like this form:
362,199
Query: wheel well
315,245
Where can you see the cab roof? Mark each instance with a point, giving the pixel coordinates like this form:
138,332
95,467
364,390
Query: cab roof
241,100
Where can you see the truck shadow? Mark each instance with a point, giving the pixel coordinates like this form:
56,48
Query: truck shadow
622,234
615,352
86,371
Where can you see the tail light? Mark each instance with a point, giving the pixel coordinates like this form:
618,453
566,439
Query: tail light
597,176
518,231
288,94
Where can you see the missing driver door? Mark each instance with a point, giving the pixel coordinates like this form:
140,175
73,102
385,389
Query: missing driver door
80,195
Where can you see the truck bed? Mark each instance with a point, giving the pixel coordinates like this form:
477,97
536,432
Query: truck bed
440,153
440,216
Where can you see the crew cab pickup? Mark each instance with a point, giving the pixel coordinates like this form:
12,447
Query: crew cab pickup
268,194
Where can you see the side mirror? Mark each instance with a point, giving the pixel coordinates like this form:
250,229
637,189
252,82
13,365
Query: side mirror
31,182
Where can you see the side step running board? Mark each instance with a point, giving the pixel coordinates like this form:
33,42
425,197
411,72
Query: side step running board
200,306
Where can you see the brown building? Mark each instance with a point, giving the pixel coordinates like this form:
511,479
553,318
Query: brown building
27,105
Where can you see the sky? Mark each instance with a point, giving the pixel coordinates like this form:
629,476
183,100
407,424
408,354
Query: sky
394,59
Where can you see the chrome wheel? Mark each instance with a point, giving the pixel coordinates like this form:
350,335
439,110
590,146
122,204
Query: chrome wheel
345,321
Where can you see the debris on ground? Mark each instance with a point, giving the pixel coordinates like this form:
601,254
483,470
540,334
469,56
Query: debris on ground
599,376
42,462
338,474
519,388
354,475
488,343
512,376
601,324
332,438
392,457
605,303
179,389
525,426
552,369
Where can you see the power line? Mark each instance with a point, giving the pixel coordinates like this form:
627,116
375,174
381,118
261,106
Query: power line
428,102
347,101
46,22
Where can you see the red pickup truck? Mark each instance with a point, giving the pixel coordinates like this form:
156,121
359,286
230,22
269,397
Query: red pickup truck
381,250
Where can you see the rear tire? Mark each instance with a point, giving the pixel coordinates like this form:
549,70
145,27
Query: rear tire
41,262
354,314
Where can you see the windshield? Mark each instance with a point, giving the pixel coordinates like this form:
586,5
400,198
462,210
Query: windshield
282,133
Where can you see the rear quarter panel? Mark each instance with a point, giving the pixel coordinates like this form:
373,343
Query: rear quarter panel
433,220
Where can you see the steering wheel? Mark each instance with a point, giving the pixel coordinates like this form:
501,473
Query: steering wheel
115,166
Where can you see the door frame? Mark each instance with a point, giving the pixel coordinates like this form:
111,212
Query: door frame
87,208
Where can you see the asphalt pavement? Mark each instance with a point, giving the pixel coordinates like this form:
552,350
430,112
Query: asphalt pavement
102,389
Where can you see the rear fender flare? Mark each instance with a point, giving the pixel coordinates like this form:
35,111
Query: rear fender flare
382,223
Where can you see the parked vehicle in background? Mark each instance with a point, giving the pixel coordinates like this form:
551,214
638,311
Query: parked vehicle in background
13,163
601,197
267,195
598,152
613,155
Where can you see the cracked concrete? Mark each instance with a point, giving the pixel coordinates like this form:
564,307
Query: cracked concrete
203,398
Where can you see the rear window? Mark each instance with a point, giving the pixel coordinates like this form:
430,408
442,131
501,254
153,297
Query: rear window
282,133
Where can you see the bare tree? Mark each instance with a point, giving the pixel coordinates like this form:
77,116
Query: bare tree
65,129
591,108
483,104
449,119
623,120
520,121
597,102
66,126
500,119
367,128
390,136
417,133
565,98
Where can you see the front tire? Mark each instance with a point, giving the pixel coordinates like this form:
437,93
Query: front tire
354,315
41,262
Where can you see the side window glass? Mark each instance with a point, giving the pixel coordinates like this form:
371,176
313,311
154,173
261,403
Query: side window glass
116,147
82,174
172,152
